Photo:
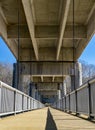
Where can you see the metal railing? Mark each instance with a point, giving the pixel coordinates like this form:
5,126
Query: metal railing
80,101
14,101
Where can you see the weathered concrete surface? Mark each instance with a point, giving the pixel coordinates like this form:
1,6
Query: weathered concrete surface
45,32
48,24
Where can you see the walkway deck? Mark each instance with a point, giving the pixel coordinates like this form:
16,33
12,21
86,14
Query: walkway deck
66,121
42,120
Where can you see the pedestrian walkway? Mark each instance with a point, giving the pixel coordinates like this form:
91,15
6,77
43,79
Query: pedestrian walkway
66,121
45,119
33,120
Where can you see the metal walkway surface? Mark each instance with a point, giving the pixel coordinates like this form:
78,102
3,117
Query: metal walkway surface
45,119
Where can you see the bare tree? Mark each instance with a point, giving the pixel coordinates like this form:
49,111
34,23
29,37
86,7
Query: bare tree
88,71
6,73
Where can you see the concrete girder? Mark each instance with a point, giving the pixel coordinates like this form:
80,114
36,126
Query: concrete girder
47,79
3,16
47,86
46,32
46,68
47,54
53,78
63,25
48,93
42,79
27,5
3,32
90,32
90,14
12,31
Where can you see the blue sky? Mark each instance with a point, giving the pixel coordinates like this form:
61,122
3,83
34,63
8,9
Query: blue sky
88,55
5,54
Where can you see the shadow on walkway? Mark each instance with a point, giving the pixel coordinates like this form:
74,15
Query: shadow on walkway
50,124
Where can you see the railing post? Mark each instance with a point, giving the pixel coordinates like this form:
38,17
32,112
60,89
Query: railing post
30,103
14,102
90,102
69,104
33,103
65,103
55,105
22,102
76,101
62,104
27,103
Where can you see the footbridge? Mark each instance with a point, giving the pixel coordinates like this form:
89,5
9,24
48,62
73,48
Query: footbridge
47,37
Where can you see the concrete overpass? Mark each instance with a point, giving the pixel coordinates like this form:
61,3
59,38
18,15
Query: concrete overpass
47,38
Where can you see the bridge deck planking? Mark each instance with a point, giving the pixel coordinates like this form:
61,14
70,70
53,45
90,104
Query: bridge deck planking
33,120
37,120
66,121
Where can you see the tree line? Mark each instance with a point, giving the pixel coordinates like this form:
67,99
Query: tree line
6,73
88,71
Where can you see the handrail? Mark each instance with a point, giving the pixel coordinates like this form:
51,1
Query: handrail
81,100
13,101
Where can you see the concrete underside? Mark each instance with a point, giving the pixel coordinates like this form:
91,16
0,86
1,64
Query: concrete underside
45,120
46,32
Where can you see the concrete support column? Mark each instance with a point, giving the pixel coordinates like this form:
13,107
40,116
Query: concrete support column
36,94
67,85
76,78
18,79
39,97
62,89
21,85
59,92
72,82
33,91
78,74
65,88
59,95
13,79
30,89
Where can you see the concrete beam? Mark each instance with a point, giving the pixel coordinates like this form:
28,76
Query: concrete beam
53,78
30,21
63,25
47,54
42,79
90,14
3,16
51,32
3,33
48,93
46,69
36,79
12,31
47,86
90,32
46,32
47,79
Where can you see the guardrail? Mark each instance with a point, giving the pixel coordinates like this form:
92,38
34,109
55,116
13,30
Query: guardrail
80,101
13,101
